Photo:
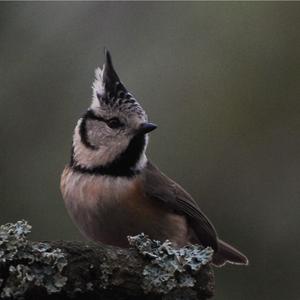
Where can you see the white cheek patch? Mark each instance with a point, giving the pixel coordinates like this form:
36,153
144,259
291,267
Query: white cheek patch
96,132
109,147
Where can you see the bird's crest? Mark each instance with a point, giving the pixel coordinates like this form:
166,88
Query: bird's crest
109,93
107,86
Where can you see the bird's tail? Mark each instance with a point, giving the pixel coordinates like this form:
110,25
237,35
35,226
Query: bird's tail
228,254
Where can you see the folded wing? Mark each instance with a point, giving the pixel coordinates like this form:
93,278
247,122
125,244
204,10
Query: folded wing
159,187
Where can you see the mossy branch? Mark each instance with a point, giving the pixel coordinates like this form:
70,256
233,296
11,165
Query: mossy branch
77,270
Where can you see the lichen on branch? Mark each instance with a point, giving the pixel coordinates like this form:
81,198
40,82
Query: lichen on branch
169,267
34,263
149,269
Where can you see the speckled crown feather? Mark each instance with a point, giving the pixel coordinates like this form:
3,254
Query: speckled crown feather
109,91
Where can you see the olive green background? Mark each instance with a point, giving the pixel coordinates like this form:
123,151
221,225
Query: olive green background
220,79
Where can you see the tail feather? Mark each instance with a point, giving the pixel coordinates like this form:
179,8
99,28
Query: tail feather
227,253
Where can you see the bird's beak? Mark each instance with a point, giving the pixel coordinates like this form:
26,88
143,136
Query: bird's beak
146,127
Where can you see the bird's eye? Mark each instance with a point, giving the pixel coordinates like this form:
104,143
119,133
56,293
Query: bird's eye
114,123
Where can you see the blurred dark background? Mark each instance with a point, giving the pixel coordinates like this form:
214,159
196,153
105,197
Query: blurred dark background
220,79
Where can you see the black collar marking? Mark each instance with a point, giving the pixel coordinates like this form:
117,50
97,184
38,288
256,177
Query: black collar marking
122,166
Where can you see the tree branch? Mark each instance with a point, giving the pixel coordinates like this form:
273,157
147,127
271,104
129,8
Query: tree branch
78,270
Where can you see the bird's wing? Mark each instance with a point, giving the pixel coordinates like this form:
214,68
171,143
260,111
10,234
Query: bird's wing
161,188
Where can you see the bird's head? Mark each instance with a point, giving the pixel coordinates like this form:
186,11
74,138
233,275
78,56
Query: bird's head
113,131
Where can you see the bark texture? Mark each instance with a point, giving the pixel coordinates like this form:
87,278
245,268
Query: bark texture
77,270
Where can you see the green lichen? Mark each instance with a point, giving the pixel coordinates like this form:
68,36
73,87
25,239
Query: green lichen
170,267
29,263
106,273
90,286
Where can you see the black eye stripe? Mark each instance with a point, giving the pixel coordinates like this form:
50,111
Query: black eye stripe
91,116
113,122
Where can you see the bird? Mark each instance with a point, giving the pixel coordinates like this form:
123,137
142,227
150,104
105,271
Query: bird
112,190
